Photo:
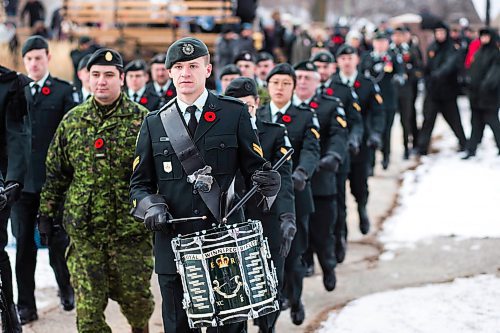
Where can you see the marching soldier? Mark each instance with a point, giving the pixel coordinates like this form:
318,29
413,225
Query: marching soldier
160,82
220,129
48,99
264,63
406,99
440,73
386,68
279,222
89,164
136,77
14,157
245,61
333,144
372,111
303,128
227,74
84,92
484,92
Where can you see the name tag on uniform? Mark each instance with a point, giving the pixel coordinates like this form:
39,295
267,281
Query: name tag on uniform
164,139
167,167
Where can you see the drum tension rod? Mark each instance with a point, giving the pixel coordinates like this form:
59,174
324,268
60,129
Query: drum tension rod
186,219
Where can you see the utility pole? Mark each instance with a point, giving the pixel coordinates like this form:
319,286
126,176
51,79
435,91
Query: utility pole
319,11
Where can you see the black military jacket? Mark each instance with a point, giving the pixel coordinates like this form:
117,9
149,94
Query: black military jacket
46,110
441,71
167,96
371,102
149,99
227,143
383,70
275,143
15,135
334,135
351,105
303,130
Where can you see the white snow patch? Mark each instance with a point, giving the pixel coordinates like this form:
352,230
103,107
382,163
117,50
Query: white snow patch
387,256
464,305
446,196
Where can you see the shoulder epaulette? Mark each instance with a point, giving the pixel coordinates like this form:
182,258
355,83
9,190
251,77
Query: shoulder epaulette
61,81
230,99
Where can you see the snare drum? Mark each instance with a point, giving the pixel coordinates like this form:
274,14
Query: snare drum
227,274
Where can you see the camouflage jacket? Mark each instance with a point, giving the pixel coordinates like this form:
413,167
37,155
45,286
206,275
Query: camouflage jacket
89,164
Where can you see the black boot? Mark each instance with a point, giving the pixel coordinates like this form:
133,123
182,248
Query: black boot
329,280
67,296
364,221
469,155
298,314
27,315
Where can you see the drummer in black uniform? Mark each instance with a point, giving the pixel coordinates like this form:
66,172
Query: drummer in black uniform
333,131
303,130
278,223
220,129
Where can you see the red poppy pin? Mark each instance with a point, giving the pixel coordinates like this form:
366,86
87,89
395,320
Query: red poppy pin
143,100
45,91
99,143
286,118
406,57
313,104
169,93
209,116
329,91
384,59
357,84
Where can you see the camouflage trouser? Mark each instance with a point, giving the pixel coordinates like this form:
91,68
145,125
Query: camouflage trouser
121,272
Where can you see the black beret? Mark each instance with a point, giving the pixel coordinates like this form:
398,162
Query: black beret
242,87
83,62
283,68
486,31
105,56
34,43
136,65
158,59
246,56
379,34
229,70
346,49
441,25
185,49
83,40
323,56
305,65
263,56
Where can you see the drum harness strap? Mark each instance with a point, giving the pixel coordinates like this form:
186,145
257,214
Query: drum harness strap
191,160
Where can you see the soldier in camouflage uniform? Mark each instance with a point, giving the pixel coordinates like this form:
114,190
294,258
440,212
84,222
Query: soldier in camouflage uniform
90,161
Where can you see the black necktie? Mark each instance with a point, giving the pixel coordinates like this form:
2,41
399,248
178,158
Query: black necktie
193,122
135,97
37,90
161,92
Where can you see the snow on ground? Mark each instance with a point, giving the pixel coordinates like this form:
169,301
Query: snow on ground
447,196
464,305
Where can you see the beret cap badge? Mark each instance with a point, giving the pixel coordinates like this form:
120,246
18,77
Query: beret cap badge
187,49
108,56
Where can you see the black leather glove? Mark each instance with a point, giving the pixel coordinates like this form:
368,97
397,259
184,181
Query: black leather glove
157,218
353,146
267,180
299,178
374,141
14,194
3,198
45,227
288,230
329,163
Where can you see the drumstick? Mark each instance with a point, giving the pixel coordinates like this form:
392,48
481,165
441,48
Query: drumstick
186,219
254,188
10,187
